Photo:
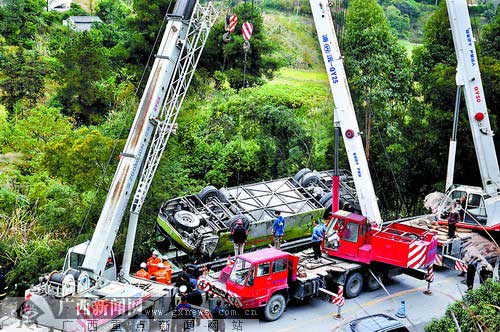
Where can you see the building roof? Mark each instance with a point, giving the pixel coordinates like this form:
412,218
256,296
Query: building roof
82,23
85,19
263,255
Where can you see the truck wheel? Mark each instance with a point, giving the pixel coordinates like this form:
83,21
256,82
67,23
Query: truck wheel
353,285
274,308
371,283
186,219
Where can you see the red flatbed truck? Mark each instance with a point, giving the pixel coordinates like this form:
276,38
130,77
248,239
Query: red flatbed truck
267,279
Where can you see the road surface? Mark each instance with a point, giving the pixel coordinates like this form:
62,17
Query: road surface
320,316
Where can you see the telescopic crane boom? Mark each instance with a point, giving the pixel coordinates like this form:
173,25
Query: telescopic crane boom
469,78
345,115
481,205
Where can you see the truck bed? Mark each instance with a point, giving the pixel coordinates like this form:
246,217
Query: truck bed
314,269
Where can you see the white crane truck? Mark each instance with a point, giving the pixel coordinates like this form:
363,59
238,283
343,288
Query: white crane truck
89,295
481,205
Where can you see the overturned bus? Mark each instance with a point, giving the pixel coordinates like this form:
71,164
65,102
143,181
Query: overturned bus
202,222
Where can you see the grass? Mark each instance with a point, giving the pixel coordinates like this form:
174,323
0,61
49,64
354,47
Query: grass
291,76
409,46
296,39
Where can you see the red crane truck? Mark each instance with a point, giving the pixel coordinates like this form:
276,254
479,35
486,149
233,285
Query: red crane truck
267,279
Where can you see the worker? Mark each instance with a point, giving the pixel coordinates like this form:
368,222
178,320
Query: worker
153,262
471,274
463,203
196,299
193,269
3,285
453,218
317,237
239,236
182,317
219,314
142,273
278,229
20,289
485,273
162,275
184,280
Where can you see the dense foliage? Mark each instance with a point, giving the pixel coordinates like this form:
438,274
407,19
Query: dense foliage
478,311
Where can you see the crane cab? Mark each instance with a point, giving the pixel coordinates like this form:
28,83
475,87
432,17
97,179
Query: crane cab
396,244
76,255
478,209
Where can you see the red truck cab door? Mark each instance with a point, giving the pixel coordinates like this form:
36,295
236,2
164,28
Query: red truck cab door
352,237
268,277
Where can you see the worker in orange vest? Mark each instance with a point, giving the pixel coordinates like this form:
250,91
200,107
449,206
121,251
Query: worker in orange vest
164,274
153,262
142,273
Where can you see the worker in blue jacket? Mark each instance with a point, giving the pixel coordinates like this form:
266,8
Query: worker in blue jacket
318,234
278,229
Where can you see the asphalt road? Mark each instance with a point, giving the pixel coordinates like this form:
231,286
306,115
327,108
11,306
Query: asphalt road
320,316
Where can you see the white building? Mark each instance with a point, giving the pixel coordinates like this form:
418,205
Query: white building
59,5
81,23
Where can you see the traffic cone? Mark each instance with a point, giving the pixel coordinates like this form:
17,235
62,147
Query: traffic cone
402,310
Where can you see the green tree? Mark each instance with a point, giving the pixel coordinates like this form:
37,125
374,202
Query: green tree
111,11
87,82
230,57
380,80
399,22
145,23
23,77
435,61
79,158
21,21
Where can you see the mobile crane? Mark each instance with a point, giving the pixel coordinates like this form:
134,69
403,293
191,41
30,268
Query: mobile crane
88,294
481,205
368,251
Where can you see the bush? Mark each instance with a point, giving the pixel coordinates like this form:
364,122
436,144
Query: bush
479,310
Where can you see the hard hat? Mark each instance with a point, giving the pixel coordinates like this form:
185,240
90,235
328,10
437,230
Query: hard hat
161,265
183,289
156,253
143,265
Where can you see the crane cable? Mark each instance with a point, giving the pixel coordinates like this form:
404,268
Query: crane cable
389,162
117,140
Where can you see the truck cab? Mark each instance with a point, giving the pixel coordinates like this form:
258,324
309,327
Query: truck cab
259,279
